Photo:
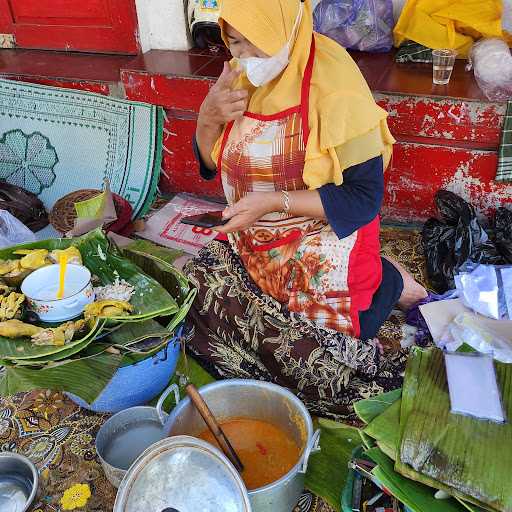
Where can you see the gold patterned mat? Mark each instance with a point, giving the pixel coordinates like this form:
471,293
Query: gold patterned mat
404,246
58,436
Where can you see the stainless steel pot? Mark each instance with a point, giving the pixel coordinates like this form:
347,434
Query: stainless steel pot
264,401
182,474
18,482
126,424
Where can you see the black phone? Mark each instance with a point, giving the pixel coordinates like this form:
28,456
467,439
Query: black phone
205,220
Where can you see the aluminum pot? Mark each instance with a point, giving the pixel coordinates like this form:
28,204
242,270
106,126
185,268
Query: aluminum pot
121,430
182,474
258,400
18,482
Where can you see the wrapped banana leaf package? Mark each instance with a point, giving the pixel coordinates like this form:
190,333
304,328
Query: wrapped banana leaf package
471,457
139,296
420,446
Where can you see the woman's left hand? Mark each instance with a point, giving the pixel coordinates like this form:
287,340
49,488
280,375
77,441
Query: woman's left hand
249,210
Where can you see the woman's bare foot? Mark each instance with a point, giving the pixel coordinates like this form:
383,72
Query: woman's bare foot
413,292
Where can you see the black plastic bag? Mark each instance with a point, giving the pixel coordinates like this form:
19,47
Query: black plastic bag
456,238
503,232
23,205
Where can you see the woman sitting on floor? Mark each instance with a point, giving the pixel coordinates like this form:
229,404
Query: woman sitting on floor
298,292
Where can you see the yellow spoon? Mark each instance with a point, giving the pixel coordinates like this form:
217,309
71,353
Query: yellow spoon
62,274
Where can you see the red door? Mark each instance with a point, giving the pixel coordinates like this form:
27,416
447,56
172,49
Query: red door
107,26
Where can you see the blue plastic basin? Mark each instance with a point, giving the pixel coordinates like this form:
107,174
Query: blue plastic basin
138,383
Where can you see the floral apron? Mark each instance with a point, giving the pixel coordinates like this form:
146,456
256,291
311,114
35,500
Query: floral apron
299,261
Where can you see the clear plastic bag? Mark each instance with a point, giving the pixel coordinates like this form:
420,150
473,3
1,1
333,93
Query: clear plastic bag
492,64
486,289
479,290
12,231
466,329
506,20
398,7
506,276
365,25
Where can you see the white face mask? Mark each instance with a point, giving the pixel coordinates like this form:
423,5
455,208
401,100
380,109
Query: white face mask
261,71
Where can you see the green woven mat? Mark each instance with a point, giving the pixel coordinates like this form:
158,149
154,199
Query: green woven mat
54,141
504,172
413,52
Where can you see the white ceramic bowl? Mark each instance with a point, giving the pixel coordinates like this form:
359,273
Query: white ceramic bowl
41,286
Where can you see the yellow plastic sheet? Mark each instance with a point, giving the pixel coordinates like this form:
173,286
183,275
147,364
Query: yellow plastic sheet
453,24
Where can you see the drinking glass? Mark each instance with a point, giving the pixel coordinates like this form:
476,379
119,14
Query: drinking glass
443,61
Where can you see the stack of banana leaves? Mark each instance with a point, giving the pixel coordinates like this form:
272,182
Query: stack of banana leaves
141,299
423,452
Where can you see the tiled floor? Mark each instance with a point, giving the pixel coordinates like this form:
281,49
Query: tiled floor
380,70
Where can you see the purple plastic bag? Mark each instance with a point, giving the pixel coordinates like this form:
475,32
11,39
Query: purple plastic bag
364,25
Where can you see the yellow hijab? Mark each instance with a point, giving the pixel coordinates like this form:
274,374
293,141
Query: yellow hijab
347,127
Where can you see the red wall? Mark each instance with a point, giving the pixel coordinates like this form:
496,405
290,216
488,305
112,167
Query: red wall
108,26
441,143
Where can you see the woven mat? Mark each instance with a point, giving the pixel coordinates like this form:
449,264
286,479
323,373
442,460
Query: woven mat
411,52
58,436
504,172
54,141
404,246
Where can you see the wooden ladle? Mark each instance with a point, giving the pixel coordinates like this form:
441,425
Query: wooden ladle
214,426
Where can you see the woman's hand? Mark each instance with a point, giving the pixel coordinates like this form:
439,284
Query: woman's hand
220,106
249,210
223,104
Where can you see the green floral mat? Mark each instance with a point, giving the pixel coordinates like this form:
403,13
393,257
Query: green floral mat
54,141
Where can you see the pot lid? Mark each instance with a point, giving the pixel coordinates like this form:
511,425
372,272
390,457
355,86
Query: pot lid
182,474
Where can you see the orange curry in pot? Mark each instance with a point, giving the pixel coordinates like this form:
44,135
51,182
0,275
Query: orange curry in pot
265,450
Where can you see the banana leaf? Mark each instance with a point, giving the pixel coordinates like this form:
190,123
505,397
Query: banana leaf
132,340
369,408
328,469
39,362
162,253
418,497
104,260
55,367
383,415
469,506
368,442
63,354
98,366
385,429
405,470
469,456
157,262
23,349
121,338
85,377
150,300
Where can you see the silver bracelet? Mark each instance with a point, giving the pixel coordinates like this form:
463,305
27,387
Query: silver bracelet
286,201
